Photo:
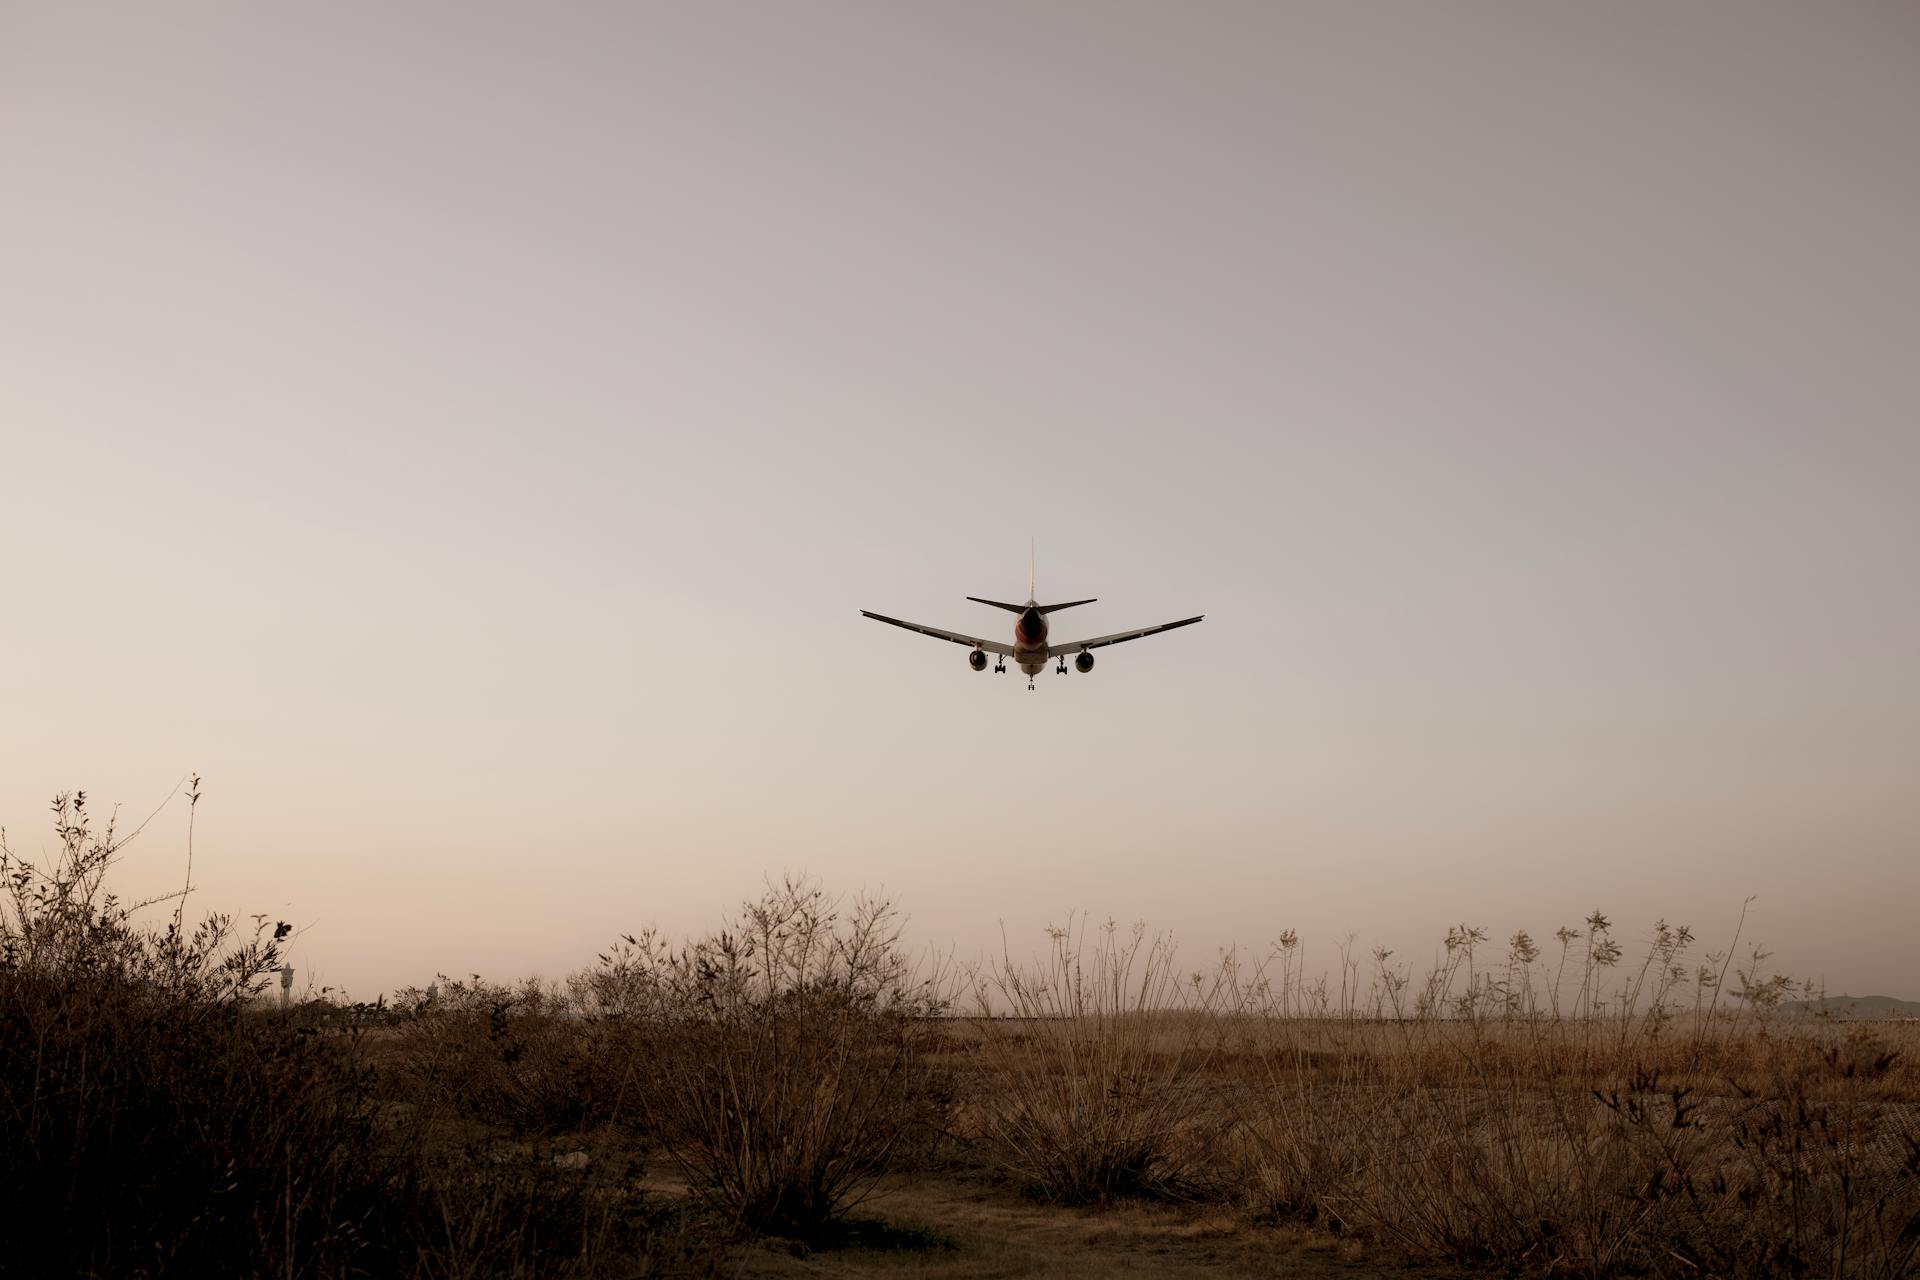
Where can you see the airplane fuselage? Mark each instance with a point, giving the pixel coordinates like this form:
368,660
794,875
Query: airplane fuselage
1030,640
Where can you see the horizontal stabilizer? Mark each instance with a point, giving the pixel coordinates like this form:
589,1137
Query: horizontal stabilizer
1020,608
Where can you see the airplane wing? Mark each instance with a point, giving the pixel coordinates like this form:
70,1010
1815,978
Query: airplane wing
972,642
1098,641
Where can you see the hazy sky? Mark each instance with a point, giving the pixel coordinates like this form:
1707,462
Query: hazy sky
466,434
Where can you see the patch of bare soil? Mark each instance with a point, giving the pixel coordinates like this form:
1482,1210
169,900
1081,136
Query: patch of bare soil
963,1229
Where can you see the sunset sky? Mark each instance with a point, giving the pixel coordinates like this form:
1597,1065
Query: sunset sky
467,434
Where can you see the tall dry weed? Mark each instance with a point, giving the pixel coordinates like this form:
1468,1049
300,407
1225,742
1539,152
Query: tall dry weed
1498,1118
1096,1066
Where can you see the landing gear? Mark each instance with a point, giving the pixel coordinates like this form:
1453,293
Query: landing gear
1061,669
1000,668
1029,684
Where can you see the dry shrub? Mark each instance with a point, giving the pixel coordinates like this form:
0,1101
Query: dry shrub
785,1062
1297,1152
520,1057
540,1210
154,1123
151,1124
1647,1175
1096,1062
1800,1170
1594,1137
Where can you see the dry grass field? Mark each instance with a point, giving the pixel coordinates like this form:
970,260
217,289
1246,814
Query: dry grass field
795,1096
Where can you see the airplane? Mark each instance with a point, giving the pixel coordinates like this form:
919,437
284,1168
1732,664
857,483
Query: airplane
1030,649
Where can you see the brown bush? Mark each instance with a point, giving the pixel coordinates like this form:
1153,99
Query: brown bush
786,1061
155,1124
520,1058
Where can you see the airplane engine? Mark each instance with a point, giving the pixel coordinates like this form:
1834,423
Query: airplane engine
977,659
1083,663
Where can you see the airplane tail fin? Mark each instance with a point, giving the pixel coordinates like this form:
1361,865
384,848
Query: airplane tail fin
1022,608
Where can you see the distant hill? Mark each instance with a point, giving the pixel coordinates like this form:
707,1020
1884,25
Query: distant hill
1855,1007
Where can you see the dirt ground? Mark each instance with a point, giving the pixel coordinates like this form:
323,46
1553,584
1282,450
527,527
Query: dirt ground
955,1228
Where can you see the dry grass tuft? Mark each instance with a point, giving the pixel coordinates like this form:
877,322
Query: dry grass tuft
1095,1064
